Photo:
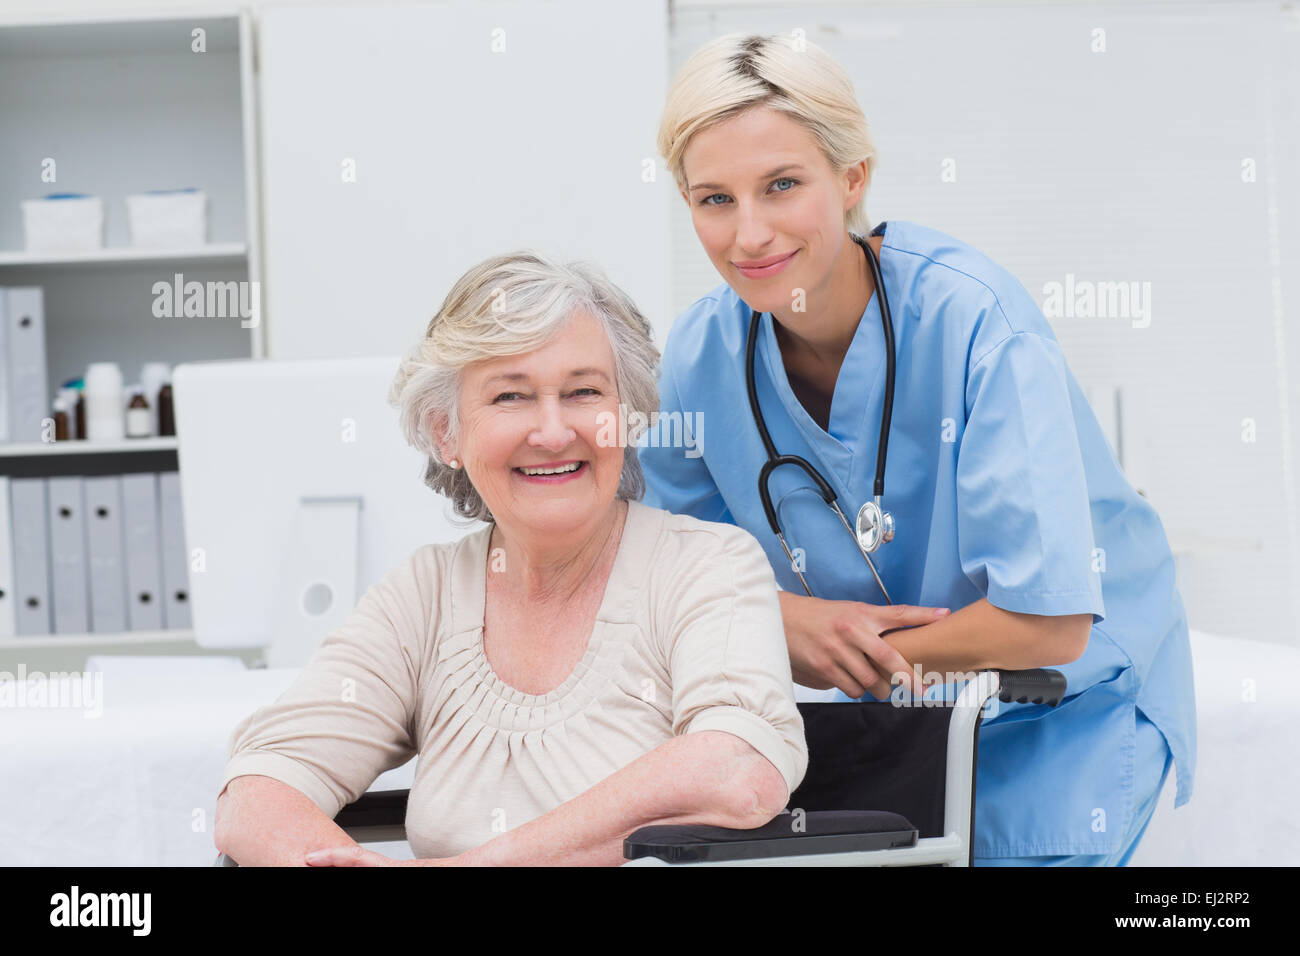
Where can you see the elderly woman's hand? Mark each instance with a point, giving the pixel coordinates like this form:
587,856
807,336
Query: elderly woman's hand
355,855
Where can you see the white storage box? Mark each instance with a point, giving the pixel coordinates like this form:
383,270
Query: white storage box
171,218
63,223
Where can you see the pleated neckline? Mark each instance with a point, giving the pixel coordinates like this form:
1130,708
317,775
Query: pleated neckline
469,597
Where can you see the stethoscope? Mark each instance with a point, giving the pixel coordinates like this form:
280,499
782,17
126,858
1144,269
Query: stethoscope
874,525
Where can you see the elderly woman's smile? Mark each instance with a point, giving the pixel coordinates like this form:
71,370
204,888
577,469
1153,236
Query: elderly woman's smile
528,427
552,472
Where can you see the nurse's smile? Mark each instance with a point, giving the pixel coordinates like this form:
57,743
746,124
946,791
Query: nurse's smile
762,268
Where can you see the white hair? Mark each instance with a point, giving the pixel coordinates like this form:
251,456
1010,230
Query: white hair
736,72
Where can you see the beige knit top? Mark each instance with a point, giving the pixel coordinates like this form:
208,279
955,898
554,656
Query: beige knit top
688,638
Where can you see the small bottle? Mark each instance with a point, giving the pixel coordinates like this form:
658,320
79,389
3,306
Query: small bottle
60,419
152,377
68,395
75,406
138,417
166,416
104,407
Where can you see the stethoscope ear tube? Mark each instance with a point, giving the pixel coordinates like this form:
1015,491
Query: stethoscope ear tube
887,415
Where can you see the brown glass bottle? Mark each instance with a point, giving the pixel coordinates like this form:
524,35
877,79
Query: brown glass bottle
166,416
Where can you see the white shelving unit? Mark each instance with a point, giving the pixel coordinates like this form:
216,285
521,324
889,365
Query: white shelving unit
125,446
181,636
227,251
113,105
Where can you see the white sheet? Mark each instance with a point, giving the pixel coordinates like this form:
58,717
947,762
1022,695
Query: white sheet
1243,806
137,786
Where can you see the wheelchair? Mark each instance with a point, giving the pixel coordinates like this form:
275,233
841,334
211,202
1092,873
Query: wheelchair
888,784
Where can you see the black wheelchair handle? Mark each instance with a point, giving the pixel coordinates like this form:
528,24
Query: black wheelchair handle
1036,686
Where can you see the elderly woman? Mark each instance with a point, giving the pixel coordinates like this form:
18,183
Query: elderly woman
580,667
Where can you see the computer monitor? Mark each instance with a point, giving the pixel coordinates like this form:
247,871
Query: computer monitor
299,493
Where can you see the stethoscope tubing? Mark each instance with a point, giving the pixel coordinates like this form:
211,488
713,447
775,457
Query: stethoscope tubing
776,460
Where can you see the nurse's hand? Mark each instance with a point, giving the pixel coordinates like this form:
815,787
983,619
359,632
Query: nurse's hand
839,643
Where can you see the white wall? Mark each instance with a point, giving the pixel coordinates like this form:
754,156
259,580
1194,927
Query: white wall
473,129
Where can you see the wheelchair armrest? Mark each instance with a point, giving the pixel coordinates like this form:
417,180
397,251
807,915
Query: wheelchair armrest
378,808
375,817
1036,686
827,831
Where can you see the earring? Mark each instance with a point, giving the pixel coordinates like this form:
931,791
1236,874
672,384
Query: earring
453,463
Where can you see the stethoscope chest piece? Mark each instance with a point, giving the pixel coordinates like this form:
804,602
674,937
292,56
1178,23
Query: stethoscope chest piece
874,527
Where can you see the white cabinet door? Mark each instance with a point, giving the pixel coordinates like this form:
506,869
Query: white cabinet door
403,143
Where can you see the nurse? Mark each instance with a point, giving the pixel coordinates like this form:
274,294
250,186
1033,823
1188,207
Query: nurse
1010,509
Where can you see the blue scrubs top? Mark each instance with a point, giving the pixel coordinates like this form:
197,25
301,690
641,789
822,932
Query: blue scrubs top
1002,486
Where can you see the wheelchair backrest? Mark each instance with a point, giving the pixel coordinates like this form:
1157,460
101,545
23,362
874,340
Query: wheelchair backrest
873,755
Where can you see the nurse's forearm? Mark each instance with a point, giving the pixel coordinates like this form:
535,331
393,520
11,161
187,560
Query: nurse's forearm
982,636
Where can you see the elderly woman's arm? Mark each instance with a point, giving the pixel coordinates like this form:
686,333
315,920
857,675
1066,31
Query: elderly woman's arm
710,777
263,822
343,721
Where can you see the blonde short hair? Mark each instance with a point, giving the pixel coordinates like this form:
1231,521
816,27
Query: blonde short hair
509,305
733,73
